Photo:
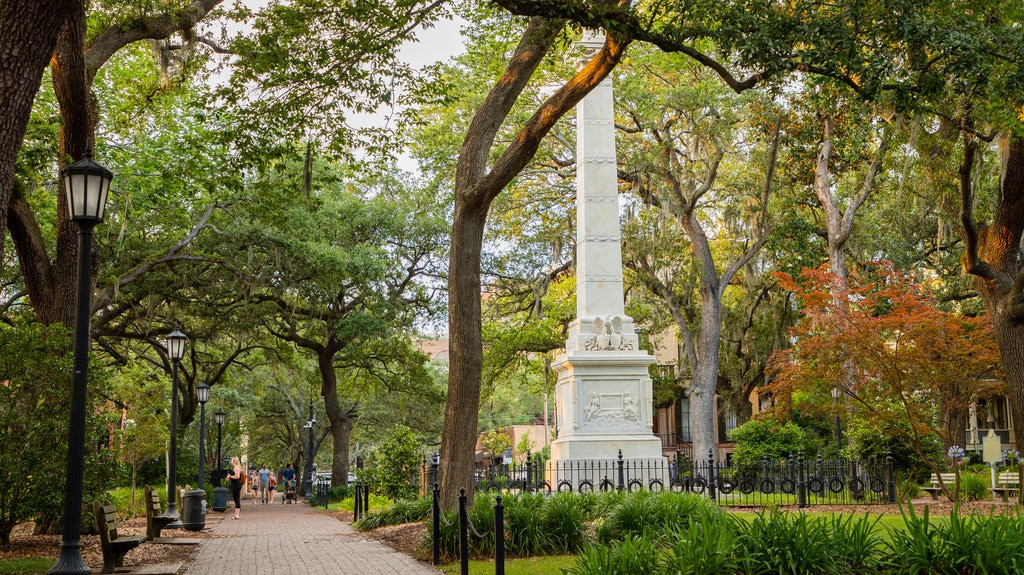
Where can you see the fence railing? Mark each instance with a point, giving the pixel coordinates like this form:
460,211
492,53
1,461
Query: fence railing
794,481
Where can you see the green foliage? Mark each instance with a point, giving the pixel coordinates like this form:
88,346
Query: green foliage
626,557
868,443
497,441
975,487
759,438
403,511
708,545
777,542
25,566
36,371
393,463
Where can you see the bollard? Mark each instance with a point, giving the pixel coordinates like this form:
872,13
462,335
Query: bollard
437,525
366,498
499,537
358,502
463,534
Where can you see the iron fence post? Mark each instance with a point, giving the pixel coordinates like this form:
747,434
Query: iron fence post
712,475
801,484
890,477
499,537
436,543
529,472
622,476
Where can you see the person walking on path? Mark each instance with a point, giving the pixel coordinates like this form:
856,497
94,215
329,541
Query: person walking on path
236,485
264,475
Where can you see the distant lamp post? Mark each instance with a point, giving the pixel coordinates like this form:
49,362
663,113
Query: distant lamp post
220,493
837,395
175,350
310,464
218,418
203,395
85,184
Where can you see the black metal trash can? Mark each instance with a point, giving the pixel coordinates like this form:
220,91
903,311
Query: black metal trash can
220,498
193,510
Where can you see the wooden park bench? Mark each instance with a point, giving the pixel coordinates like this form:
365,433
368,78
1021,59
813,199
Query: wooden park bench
1007,484
933,489
114,547
155,519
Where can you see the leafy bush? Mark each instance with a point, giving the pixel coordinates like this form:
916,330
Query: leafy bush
975,487
392,465
339,493
563,522
404,511
759,438
708,545
782,542
630,556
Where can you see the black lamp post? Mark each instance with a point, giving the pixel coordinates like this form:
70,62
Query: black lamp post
219,419
203,395
220,493
85,184
310,464
837,394
175,350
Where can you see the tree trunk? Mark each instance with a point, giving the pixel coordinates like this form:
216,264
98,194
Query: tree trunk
341,418
458,433
993,256
26,45
705,374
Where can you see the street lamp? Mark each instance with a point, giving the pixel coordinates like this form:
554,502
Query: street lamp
837,394
85,184
220,493
203,395
219,419
175,350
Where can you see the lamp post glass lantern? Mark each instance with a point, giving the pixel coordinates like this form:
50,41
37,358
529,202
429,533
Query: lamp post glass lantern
203,395
85,186
175,350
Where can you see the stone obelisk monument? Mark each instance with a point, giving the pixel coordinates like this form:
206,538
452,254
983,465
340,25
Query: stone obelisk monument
603,395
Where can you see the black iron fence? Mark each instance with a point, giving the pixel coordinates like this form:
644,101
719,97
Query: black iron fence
794,481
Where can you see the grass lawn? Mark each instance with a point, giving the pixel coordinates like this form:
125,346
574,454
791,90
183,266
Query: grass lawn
27,566
548,565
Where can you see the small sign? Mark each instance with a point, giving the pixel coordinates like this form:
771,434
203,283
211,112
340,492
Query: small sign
991,448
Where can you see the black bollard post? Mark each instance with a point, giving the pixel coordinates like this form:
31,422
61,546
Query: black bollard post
499,537
358,501
366,498
463,534
437,526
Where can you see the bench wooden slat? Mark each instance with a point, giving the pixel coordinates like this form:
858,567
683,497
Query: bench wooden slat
114,547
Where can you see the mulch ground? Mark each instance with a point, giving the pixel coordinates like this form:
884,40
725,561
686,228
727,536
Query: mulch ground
26,545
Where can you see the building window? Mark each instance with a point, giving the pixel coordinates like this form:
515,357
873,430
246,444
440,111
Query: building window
683,420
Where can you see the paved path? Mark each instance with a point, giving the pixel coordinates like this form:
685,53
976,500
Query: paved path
282,539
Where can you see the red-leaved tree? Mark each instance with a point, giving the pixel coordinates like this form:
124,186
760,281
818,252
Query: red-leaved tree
916,367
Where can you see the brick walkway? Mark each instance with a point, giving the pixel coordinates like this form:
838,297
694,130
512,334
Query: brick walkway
293,539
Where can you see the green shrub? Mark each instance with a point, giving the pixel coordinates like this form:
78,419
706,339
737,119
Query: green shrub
631,556
525,534
975,487
856,543
404,511
339,493
708,545
759,438
781,542
563,521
